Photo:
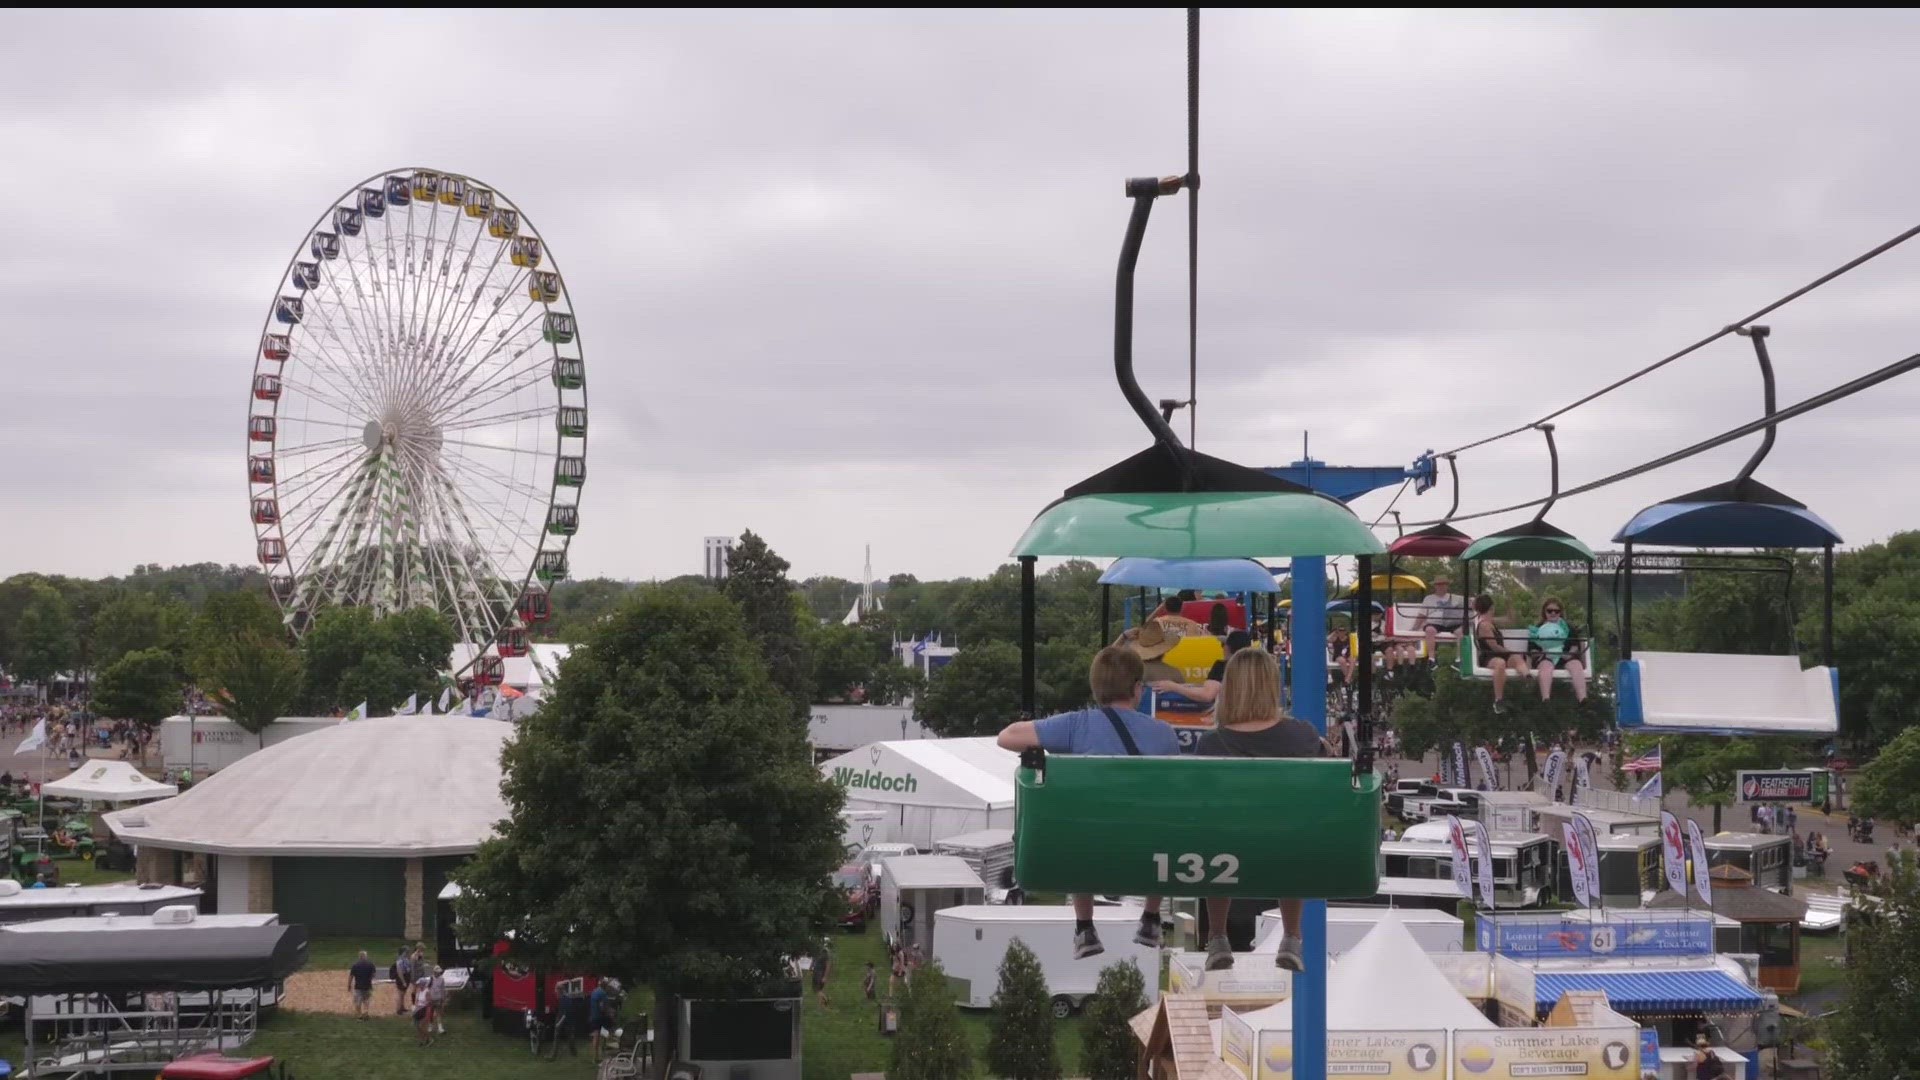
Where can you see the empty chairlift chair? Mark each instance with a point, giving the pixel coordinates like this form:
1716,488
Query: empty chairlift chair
1720,693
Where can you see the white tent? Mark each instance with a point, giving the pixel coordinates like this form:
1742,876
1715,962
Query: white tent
931,789
108,781
524,673
1388,966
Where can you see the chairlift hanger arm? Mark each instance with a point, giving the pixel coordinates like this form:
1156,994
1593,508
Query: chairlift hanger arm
1143,191
1759,335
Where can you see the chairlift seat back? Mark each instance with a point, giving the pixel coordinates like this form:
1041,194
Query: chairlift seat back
1726,694
1515,639
1194,826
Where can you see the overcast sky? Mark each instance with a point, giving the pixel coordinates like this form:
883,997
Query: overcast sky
847,278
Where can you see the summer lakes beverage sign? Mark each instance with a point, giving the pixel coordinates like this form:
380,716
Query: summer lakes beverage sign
1392,1055
1605,1053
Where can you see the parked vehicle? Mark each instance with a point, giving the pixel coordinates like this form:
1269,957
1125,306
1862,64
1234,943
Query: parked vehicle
863,898
972,940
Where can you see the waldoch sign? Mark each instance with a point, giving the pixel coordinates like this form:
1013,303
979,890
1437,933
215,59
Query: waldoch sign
874,780
1780,786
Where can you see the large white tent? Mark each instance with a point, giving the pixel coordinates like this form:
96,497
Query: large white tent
529,674
108,781
930,789
1387,966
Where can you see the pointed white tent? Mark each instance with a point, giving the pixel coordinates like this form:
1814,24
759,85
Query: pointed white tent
1387,966
108,781
929,789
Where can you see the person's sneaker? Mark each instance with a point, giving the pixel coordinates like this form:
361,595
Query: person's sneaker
1289,956
1087,943
1219,953
1499,707
1148,933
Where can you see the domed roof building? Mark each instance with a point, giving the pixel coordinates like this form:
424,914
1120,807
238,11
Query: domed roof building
349,830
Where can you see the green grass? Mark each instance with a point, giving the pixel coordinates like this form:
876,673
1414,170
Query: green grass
846,1038
1821,962
84,872
338,954
319,1047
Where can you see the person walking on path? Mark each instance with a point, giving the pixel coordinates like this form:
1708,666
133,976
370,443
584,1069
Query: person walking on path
822,968
437,999
360,981
868,980
402,971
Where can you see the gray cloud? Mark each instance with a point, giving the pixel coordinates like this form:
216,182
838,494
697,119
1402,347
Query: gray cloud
847,277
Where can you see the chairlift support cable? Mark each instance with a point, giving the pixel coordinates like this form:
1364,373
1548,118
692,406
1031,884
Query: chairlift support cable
1193,223
1730,328
1818,401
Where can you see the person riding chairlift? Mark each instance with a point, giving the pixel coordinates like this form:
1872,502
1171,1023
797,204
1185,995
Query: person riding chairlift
1492,651
1551,645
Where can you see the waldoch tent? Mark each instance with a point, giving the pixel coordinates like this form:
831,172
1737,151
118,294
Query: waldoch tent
158,958
931,789
108,781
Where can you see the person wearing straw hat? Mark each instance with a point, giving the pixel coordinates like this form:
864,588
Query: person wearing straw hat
1112,727
1706,1064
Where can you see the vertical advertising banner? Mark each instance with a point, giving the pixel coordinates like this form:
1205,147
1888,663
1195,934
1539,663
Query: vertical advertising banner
1486,865
1673,852
1462,864
1701,879
1576,866
1583,826
1461,779
1486,767
1550,772
1582,777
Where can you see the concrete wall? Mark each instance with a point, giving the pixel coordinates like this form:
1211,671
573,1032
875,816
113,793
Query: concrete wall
233,879
416,924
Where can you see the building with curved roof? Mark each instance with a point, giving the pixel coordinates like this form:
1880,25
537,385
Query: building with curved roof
350,830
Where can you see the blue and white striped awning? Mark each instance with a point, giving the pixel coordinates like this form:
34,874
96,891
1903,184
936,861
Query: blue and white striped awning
1713,992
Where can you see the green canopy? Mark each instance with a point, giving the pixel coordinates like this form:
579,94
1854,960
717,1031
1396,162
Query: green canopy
1535,541
1198,525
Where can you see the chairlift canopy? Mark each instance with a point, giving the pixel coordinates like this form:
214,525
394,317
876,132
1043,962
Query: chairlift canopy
1736,514
1441,541
1532,541
1211,575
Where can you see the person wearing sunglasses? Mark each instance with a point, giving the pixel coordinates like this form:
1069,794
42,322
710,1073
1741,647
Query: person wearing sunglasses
1551,645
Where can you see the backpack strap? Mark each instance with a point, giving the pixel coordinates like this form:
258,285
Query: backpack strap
1120,729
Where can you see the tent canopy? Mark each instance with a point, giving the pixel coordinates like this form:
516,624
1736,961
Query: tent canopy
959,773
162,958
1388,965
1531,541
1210,575
1441,541
108,781
1737,514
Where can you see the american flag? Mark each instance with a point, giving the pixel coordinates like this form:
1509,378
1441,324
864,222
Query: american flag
1644,763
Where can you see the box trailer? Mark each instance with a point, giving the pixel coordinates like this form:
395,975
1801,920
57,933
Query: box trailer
989,852
973,940
914,887
208,744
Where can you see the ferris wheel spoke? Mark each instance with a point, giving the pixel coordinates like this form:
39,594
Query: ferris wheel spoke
517,320
486,472
325,397
316,346
309,448
499,418
301,488
529,375
454,389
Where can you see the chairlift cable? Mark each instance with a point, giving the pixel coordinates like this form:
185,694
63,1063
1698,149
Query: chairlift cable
1193,222
1818,401
1390,505
1702,343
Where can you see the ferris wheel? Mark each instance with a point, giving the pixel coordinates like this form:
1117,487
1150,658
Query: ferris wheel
417,421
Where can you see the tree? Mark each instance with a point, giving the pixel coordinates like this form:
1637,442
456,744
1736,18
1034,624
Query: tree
931,1044
893,684
224,618
844,657
1888,788
45,644
256,680
141,686
1873,1035
1108,1048
697,838
757,581
352,657
977,693
137,620
1708,767
1020,1030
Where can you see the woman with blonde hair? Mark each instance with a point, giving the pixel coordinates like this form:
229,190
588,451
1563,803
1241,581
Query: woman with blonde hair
1251,724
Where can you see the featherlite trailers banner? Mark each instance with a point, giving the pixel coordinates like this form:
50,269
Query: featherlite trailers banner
1782,785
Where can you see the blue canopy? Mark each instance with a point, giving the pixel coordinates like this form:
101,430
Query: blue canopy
1210,575
1347,605
1739,514
1666,992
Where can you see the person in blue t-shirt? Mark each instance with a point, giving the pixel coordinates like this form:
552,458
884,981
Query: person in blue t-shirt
1116,678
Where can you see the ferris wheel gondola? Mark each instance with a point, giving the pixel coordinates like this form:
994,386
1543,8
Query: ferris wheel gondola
409,441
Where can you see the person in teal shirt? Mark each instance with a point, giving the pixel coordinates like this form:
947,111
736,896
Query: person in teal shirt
1551,645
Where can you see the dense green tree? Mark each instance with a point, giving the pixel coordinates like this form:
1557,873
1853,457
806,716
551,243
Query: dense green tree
1461,710
45,642
757,582
1873,1036
828,598
697,838
352,657
1020,1029
894,684
578,605
977,693
1888,788
225,617
1109,1050
138,620
255,680
1707,767
844,658
931,1044
141,686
